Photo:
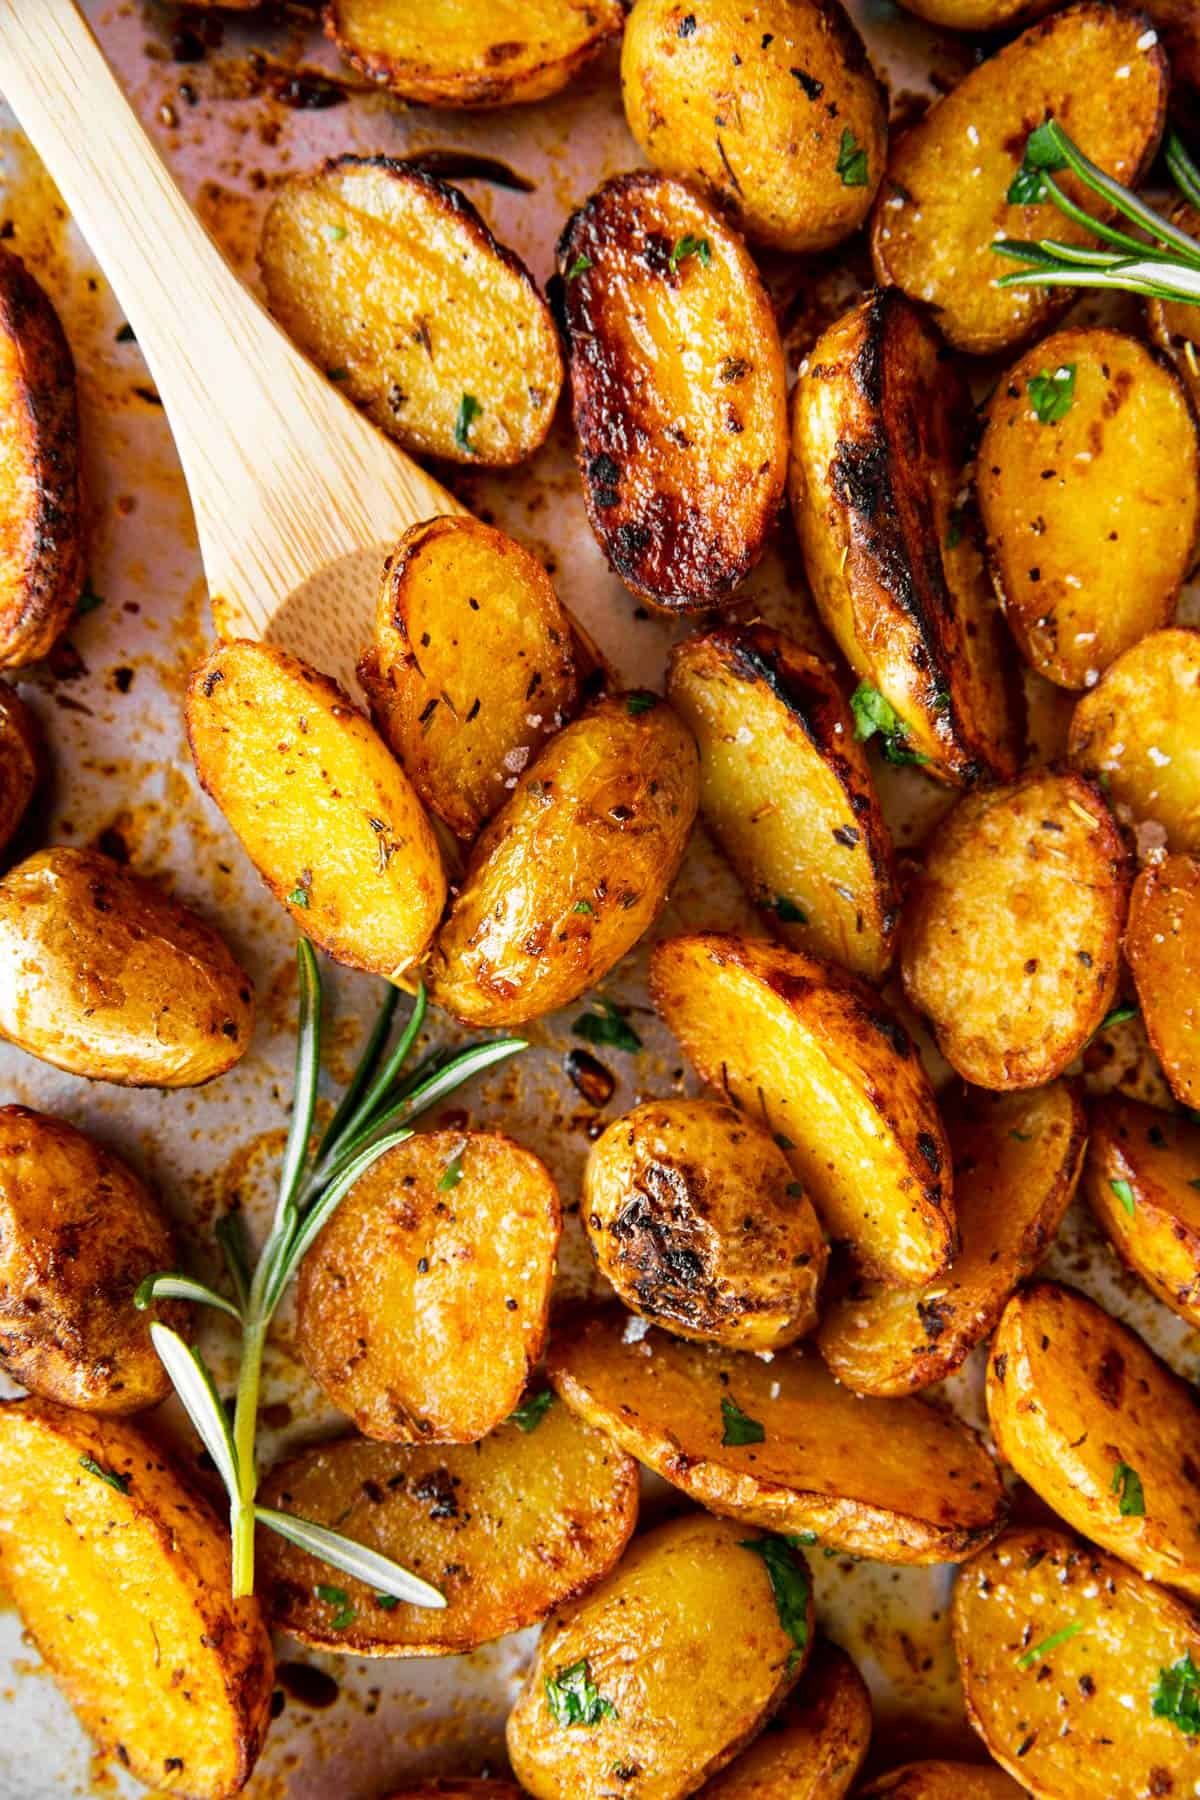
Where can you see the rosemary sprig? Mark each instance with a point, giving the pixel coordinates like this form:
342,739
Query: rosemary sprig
375,1113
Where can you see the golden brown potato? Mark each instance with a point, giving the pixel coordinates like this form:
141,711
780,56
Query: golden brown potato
451,1788
978,15
1180,29
881,437
434,1340
782,1445
944,199
1162,944
472,665
22,754
121,1574
819,1061
787,793
319,804
1010,935
391,282
814,1746
695,1218
448,53
943,1781
573,869
635,1677
1050,1632
1016,1163
506,1529
1173,324
104,975
678,389
775,109
1142,1181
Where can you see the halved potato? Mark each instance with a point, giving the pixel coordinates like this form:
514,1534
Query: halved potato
814,1746
22,756
1017,1159
1174,324
506,1529
422,1305
1162,945
783,1445
786,791
978,15
121,1575
819,1061
1010,935
882,427
944,199
391,282
678,388
1142,1181
943,1781
1068,1662
452,1788
320,805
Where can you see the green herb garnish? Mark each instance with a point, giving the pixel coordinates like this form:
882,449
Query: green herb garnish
299,897
1052,394
580,266
114,1480
643,701
691,246
1124,1192
89,599
608,1026
1022,1137
788,911
583,906
852,161
1127,1483
1177,1696
452,1174
337,374
872,713
335,233
738,1427
1042,157
789,1584
1051,1643
574,1699
469,410
1118,1016
336,1597
531,1412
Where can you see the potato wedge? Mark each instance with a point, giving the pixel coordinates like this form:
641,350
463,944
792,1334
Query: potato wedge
22,757
319,804
881,437
506,53
819,1061
1162,945
471,668
1010,935
573,869
944,199
678,389
943,1781
433,1341
814,1746
120,1572
1142,1181
1050,1632
681,1697
782,1445
775,110
390,279
787,793
507,1529
104,975
1017,1159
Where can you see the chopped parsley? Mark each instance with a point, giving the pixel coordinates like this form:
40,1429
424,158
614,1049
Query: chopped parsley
852,161
469,410
872,713
114,1480
89,599
1051,1643
339,1599
337,374
531,1412
1042,158
1177,1696
299,897
608,1025
1124,1192
1118,1016
738,1427
789,1584
574,1699
1127,1484
388,1602
691,246
452,1174
335,233
785,1143
1022,1137
788,911
640,702
1052,393
580,266
583,906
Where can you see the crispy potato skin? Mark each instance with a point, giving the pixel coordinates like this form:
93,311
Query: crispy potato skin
22,761
943,1781
889,1479
694,1216
434,1340
573,869
683,461
816,1743
1162,944
392,278
452,1789
754,102
1017,1159
1017,1595
787,792
1172,324
881,437
1010,935
300,775
104,975
1159,1156
978,15
815,1056
126,1595
649,1623
507,1529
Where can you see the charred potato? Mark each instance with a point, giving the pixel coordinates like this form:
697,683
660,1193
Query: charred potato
390,280
814,1746
678,388
787,793
881,438
943,1781
1142,1181
1162,944
22,755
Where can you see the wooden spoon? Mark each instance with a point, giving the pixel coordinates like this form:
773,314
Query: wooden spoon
297,498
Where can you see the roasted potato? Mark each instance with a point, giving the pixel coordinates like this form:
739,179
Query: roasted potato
450,1788
22,754
678,389
944,199
507,1529
943,1781
1180,28
433,1341
821,1063
787,793
695,1218
814,1746
660,1694
1017,1159
881,437
775,109
121,1575
782,1445
1100,1428
573,869
390,280
1173,324
446,54
1010,934
321,807
1074,1669
1162,944
104,975
978,15
1142,1181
